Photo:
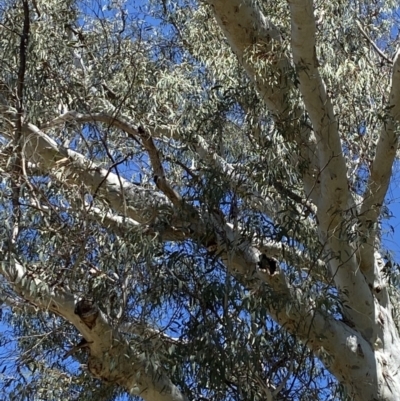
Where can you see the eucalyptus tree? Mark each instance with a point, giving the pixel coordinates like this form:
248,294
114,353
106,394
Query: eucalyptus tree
192,196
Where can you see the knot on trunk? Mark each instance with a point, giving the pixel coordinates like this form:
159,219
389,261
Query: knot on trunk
87,311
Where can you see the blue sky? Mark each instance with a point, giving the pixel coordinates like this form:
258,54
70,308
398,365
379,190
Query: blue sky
391,226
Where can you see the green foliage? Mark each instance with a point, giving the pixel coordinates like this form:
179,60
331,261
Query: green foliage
167,67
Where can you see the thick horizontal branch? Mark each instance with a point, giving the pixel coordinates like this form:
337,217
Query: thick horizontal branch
138,203
199,144
242,187
125,198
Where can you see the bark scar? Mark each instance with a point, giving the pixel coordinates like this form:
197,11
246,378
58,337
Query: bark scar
87,311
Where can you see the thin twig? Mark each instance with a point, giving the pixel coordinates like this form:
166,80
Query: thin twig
18,159
373,44
158,169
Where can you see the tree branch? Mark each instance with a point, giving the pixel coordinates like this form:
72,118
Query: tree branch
158,169
246,28
200,145
335,199
325,179
258,45
238,253
110,355
141,205
44,151
380,174
373,44
242,188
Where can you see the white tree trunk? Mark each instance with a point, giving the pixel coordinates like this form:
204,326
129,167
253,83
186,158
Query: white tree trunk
362,354
362,350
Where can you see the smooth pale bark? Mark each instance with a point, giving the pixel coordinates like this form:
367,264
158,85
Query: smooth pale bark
259,47
362,354
244,188
140,204
111,358
380,174
364,358
199,144
135,203
335,203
